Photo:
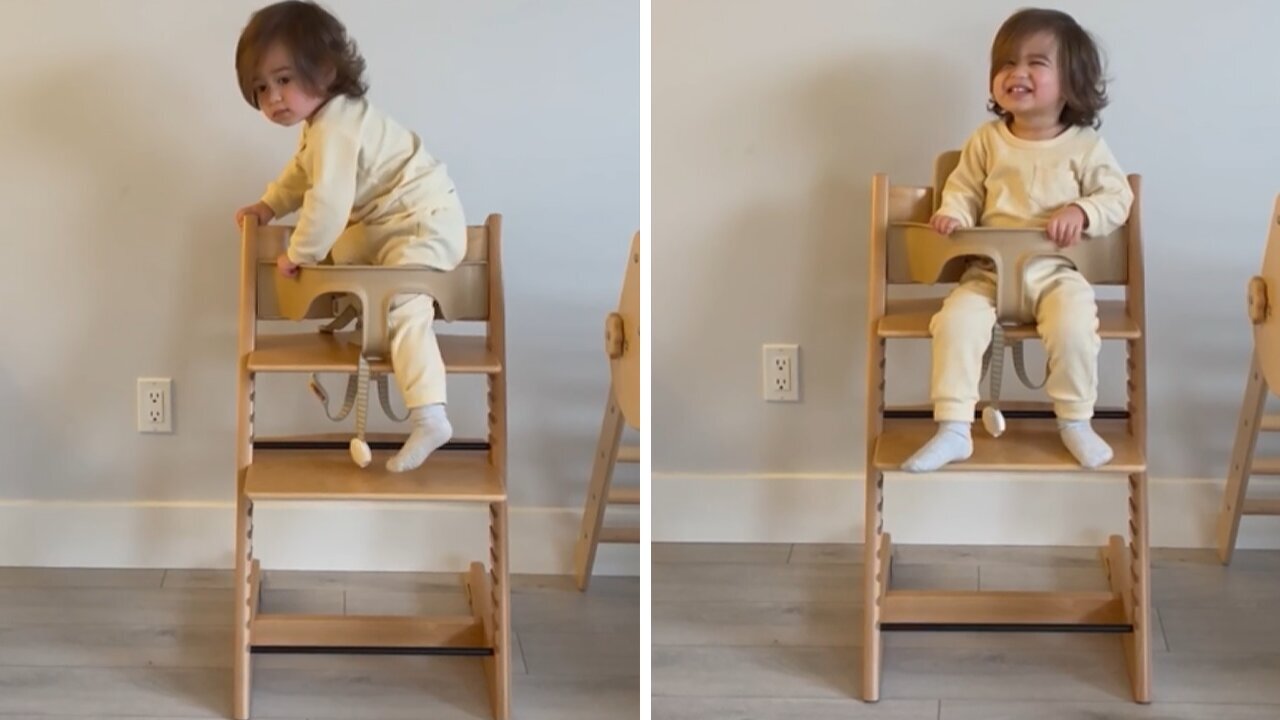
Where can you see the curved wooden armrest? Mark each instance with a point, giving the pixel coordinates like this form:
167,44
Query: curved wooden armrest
459,293
919,254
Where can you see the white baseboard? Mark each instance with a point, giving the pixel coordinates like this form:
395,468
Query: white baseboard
332,536
926,509
944,508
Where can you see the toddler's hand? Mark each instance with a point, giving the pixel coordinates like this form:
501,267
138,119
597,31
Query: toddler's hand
1066,225
285,266
943,224
261,210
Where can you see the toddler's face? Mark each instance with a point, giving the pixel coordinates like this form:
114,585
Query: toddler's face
281,96
1028,85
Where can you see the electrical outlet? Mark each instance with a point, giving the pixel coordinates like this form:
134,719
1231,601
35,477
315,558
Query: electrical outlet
155,406
782,373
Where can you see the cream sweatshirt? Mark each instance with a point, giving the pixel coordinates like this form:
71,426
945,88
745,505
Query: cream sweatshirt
1005,181
356,165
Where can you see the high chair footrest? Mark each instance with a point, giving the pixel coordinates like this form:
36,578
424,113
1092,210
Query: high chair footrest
1027,446
447,476
620,534
1264,466
624,495
1261,506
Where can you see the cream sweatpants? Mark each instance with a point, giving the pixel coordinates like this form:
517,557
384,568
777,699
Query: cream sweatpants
409,239
1066,314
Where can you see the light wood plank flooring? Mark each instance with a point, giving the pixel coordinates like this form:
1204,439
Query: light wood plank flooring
773,632
156,644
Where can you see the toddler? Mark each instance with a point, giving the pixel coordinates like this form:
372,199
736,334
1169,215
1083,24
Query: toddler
1040,164
354,165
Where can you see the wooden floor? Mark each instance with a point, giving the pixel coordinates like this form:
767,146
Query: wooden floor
156,644
768,632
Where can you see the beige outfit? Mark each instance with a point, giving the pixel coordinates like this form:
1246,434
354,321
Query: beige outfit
1005,181
366,191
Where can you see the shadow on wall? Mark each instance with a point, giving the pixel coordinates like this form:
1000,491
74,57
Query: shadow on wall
842,124
551,454
142,263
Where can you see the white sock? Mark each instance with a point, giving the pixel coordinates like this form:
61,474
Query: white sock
1088,448
952,442
431,429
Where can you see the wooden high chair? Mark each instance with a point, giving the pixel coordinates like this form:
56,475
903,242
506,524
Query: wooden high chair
905,251
318,468
622,346
1264,377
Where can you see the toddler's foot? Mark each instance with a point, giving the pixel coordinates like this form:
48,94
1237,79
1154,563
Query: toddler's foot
1086,446
951,443
431,429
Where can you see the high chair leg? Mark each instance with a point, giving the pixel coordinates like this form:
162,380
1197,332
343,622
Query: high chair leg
602,467
875,584
1237,489
1128,569
246,599
490,596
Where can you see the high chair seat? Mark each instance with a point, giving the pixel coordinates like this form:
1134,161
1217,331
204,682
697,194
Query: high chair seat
909,318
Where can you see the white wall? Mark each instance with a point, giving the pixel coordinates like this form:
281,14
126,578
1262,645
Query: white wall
768,124
125,147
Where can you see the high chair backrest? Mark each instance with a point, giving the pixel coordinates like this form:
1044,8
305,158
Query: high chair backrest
943,166
462,294
1264,302
917,255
